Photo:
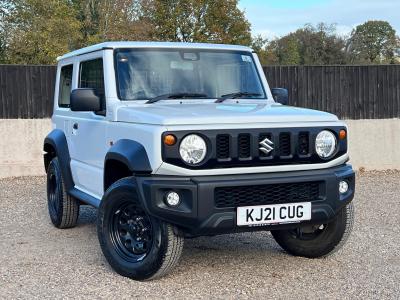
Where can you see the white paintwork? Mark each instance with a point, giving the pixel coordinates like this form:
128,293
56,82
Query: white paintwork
145,123
115,45
168,169
194,112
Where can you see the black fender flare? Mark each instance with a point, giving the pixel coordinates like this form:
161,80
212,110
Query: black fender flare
56,140
132,154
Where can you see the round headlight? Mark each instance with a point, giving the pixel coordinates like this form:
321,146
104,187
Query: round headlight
193,149
325,144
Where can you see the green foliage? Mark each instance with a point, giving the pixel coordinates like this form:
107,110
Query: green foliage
105,20
38,31
196,21
308,45
373,42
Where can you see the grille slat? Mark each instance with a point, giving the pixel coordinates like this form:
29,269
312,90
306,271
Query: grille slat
304,143
284,144
223,146
266,194
244,145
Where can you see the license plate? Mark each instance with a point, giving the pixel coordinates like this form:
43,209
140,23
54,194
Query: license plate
273,214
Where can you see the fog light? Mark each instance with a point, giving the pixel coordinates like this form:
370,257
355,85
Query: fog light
172,198
343,187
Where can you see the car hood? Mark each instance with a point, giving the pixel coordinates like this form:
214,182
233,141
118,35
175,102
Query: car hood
218,113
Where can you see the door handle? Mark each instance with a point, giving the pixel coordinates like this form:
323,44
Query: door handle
75,126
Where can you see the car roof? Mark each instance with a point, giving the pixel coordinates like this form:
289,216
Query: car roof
114,45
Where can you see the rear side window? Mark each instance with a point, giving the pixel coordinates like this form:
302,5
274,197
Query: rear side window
65,86
91,76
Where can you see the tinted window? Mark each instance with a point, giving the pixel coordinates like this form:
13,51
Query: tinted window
91,76
65,86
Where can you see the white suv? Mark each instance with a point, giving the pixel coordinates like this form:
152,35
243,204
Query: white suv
174,140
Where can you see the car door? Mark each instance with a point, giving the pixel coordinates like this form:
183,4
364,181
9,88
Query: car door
88,130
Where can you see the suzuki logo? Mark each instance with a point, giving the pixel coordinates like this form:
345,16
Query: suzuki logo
266,146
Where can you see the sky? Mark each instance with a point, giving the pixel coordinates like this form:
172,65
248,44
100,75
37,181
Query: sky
275,18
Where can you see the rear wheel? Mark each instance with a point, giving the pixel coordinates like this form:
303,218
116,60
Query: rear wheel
63,209
135,244
317,240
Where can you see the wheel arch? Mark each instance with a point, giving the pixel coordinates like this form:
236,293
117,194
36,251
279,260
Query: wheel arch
55,145
125,158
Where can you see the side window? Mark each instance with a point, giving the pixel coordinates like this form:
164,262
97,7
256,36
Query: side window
91,76
65,86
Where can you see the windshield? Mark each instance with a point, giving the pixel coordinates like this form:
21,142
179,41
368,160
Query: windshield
143,74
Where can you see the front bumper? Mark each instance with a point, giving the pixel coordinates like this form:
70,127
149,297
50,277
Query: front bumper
199,214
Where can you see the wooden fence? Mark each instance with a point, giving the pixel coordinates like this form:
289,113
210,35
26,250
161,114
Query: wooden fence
351,92
26,92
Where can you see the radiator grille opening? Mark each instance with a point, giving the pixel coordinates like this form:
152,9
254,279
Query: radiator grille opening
244,145
266,194
304,143
284,144
223,146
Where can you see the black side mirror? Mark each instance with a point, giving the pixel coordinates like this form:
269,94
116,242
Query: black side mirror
85,100
280,95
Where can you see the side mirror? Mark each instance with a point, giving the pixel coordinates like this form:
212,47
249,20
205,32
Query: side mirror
85,100
280,95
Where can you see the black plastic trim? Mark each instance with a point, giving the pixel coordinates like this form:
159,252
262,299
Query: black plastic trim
130,153
57,140
198,215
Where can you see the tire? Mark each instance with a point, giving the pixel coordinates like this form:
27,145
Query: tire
319,240
135,244
63,208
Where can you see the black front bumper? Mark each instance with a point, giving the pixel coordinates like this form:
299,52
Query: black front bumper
198,214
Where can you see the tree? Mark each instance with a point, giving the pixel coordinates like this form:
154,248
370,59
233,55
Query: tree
287,50
196,21
315,45
373,42
320,45
104,20
40,30
4,10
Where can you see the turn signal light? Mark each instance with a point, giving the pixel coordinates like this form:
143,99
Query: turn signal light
342,134
169,140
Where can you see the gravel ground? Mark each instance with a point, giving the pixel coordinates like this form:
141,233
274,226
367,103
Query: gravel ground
40,261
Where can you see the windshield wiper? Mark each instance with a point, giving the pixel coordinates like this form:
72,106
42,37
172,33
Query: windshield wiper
236,95
176,96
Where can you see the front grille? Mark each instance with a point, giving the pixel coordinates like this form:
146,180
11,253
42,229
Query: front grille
266,194
284,146
234,148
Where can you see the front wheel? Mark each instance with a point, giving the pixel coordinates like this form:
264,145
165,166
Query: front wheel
135,244
317,240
